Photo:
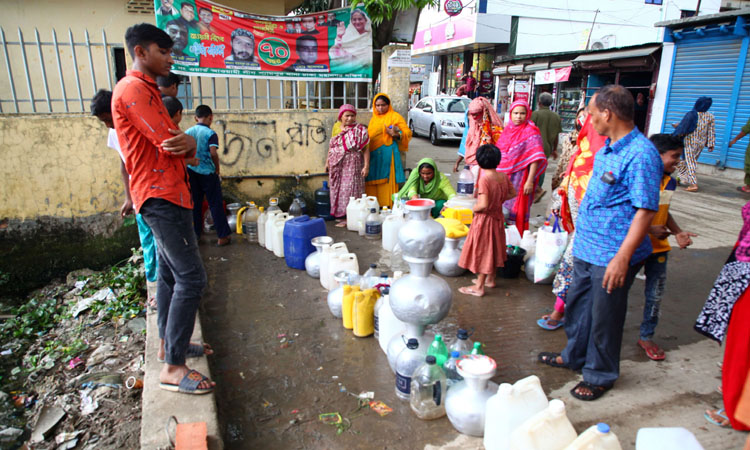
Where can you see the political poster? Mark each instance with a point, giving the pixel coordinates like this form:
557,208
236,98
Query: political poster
213,40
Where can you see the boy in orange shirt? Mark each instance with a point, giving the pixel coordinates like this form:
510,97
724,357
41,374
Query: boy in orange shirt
662,225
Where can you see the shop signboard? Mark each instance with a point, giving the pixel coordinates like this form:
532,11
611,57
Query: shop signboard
552,76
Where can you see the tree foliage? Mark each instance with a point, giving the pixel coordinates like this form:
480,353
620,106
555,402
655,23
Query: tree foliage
379,10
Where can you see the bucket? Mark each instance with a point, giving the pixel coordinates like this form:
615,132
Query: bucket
513,264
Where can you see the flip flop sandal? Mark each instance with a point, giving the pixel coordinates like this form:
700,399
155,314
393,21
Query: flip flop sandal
550,359
193,351
745,189
652,352
720,413
545,323
595,391
691,189
189,384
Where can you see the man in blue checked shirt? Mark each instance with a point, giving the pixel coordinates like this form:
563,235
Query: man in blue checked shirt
610,245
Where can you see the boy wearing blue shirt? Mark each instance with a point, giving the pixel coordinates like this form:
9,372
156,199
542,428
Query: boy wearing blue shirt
204,174
610,245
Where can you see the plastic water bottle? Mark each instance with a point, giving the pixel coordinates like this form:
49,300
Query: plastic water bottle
477,350
451,372
301,200
407,362
273,204
463,344
438,350
428,387
369,278
373,225
465,185
296,209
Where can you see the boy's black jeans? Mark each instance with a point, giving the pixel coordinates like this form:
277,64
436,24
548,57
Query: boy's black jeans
181,276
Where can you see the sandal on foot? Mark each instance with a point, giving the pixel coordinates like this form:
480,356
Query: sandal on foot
723,423
341,224
469,291
550,324
745,189
194,351
654,353
189,384
550,359
594,391
692,188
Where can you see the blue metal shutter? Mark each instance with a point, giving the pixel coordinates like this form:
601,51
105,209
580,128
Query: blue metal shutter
741,116
705,67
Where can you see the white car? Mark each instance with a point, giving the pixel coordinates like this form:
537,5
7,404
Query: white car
440,118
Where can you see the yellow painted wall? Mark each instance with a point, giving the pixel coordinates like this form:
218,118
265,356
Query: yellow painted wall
60,165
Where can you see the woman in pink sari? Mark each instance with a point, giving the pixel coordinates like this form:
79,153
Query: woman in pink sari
348,161
523,161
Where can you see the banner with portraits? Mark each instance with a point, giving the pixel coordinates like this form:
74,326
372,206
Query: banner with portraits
213,40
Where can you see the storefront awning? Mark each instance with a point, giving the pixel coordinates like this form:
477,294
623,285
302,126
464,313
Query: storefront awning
619,54
529,69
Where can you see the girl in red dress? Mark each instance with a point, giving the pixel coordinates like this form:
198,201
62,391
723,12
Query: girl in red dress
484,250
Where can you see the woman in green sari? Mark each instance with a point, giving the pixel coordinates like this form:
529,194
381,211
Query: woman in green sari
428,182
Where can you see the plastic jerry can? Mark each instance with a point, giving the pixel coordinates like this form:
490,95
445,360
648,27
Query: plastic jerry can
669,438
323,202
597,437
391,225
352,212
325,259
269,228
509,408
297,235
339,262
548,429
278,234
388,324
347,305
363,313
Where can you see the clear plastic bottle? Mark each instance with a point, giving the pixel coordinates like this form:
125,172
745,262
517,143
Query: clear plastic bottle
406,363
273,204
450,369
208,223
438,350
250,223
463,344
296,209
428,386
301,200
369,278
477,350
465,185
262,218
373,225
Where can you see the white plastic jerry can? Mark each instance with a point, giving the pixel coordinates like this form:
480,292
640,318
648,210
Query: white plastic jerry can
325,258
352,213
548,429
511,407
597,437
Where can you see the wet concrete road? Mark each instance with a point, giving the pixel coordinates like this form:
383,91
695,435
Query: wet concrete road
270,393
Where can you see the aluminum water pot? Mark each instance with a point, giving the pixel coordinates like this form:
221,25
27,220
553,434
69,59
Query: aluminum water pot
447,262
421,238
233,208
420,297
466,401
312,262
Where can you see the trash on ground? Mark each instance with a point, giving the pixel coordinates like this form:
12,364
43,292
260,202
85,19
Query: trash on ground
88,403
75,362
330,418
48,418
369,395
380,408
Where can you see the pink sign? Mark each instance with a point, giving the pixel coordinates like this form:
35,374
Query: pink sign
552,76
453,7
452,31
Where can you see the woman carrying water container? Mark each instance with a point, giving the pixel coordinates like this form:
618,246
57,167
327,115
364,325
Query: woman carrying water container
348,161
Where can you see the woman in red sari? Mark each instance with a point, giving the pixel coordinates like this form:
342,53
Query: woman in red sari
348,161
523,161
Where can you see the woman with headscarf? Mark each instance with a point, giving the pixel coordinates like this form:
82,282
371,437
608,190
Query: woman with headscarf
697,131
352,49
348,161
389,135
572,187
724,317
483,126
523,161
428,182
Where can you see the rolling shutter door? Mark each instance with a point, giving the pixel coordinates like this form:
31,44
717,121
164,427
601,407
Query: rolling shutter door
705,67
736,155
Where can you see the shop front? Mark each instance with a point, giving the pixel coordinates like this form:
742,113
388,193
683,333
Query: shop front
636,68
